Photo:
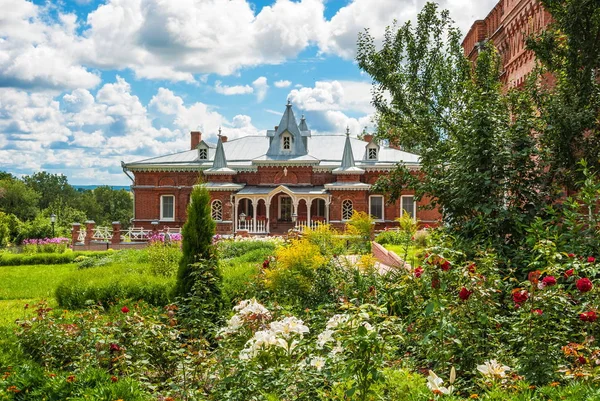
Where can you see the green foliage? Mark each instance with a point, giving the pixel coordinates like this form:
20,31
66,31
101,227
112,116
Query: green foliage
163,258
234,248
9,259
479,162
240,279
105,205
52,188
327,238
569,107
361,226
197,232
18,199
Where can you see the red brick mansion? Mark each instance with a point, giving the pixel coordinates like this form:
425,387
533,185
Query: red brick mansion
507,25
270,183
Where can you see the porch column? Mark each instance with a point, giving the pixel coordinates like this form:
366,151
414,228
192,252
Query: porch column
327,203
295,210
235,215
254,204
268,206
309,202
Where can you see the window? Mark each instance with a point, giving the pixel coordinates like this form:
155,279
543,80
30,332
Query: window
287,142
408,205
216,210
376,207
347,209
167,208
319,208
372,153
203,153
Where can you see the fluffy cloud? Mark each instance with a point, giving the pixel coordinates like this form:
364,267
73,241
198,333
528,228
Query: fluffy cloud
334,95
232,90
261,87
282,84
86,136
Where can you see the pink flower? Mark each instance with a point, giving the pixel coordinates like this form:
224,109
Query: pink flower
418,271
569,273
584,284
520,296
591,259
125,309
537,311
571,255
549,281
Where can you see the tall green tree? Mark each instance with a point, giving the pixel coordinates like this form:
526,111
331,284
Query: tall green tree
478,157
52,188
568,94
18,199
197,232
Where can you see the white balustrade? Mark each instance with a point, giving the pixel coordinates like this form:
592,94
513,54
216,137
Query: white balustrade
81,237
102,234
135,234
248,225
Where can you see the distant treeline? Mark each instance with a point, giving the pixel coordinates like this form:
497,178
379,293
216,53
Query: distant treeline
27,203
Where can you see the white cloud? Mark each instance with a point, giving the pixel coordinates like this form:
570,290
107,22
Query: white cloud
232,90
282,84
261,87
334,95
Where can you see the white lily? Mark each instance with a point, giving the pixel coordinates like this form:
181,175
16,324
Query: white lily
493,369
435,384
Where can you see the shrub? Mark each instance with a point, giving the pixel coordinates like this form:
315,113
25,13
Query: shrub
391,237
108,285
326,238
295,270
361,226
8,259
236,248
46,245
239,279
163,258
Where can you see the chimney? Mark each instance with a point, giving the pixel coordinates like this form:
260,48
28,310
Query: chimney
277,126
368,138
223,138
196,137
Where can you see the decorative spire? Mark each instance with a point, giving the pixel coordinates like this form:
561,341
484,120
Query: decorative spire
219,135
348,166
303,126
220,160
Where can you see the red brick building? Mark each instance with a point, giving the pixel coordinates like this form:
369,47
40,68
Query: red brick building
507,25
270,183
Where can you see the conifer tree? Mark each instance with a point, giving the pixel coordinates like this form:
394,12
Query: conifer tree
197,234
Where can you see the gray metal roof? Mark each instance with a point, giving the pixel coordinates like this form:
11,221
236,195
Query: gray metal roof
298,190
328,151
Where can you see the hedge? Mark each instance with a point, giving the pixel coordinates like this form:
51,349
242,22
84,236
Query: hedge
19,259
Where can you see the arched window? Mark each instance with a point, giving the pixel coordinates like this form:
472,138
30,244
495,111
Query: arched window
347,209
216,210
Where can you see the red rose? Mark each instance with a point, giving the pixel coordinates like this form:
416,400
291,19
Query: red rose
549,281
591,259
435,283
266,264
582,360
520,296
588,316
125,309
418,271
571,255
472,267
115,347
569,273
537,311
464,294
114,379
584,284
445,266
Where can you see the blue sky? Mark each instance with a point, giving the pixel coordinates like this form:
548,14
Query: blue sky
85,84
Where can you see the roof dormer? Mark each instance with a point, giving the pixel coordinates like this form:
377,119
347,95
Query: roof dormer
287,139
372,151
202,151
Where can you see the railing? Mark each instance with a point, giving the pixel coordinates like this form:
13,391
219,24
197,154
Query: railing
302,224
136,234
248,225
102,234
81,237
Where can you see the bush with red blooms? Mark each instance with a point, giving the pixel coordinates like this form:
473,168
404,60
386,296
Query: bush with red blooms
464,294
549,281
589,316
584,284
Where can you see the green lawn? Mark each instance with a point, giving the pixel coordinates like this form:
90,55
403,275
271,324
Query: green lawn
21,285
414,253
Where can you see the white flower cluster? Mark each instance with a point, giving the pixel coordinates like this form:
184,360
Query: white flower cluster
247,310
435,383
284,333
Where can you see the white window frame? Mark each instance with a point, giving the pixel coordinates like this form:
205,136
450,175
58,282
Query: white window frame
414,205
162,218
283,138
352,203
382,207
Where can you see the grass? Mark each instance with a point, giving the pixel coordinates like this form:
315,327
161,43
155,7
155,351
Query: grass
414,253
28,285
